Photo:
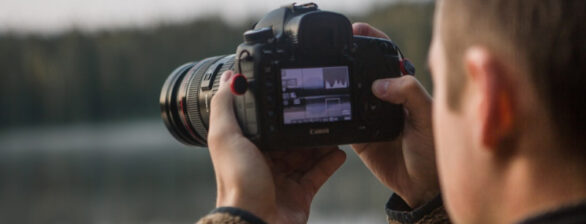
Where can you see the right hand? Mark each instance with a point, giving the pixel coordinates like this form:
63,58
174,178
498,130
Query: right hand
407,164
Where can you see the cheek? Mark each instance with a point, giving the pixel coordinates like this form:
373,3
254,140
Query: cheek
453,159
442,131
450,133
448,157
440,113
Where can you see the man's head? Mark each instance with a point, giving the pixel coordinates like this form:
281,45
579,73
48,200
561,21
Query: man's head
509,75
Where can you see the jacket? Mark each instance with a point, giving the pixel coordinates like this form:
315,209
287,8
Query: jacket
398,212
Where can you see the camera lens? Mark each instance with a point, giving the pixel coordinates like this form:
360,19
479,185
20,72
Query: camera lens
186,96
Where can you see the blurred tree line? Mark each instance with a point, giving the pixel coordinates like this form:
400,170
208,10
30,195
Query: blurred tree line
117,74
136,173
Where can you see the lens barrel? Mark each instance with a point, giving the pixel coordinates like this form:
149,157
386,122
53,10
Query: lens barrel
186,96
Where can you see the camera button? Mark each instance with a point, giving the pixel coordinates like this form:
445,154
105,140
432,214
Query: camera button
239,84
270,100
374,105
407,67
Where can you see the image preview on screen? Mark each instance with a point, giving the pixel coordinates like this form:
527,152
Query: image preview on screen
316,95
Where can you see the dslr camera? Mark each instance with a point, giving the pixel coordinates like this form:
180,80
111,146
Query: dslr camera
303,80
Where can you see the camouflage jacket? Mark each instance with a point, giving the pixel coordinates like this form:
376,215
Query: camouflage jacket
398,212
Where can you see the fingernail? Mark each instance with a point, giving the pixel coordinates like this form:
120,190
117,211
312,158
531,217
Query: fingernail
379,87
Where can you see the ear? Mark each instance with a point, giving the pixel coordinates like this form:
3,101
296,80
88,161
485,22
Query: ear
492,79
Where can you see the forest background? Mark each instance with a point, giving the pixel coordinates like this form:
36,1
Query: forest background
81,139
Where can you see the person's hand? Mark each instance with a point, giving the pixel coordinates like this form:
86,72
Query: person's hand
277,186
407,164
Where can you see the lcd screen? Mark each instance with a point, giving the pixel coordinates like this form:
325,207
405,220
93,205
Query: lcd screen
316,95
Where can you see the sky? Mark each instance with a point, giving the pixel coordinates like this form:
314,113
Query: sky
53,16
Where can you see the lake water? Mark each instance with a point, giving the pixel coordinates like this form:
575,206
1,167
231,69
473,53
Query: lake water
135,172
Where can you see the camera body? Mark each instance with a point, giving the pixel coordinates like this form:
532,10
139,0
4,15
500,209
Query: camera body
286,106
307,83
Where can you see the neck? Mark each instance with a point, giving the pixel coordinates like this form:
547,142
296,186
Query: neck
536,182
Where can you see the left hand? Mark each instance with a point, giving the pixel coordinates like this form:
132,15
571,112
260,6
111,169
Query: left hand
276,186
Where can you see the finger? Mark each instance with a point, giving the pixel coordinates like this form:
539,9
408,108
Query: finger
405,90
223,124
317,155
311,157
294,157
293,160
364,29
373,146
322,170
233,155
359,148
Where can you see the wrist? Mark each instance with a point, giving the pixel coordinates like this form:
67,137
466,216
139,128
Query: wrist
398,211
420,198
236,212
258,207
423,199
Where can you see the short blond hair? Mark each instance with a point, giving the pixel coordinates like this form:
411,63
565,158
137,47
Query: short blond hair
546,37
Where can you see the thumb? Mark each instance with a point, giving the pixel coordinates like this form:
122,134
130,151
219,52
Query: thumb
223,123
405,90
364,29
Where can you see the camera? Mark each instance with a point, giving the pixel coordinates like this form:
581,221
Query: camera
303,80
